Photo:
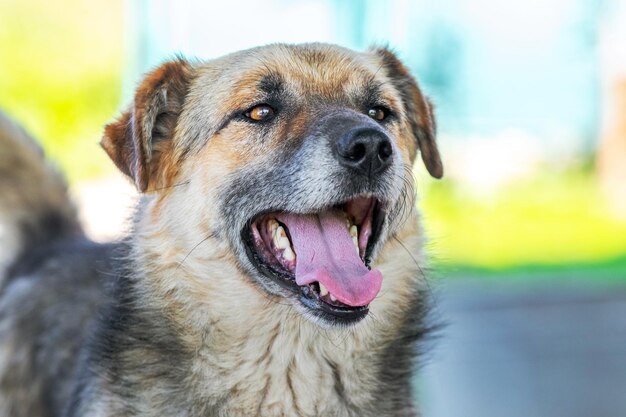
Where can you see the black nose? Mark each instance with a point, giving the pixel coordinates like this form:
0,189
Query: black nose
365,150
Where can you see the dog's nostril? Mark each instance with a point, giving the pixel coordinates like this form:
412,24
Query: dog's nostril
357,152
384,150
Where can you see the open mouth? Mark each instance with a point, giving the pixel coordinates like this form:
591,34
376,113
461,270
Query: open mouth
323,257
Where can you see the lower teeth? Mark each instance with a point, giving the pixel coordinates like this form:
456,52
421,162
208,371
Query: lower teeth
323,290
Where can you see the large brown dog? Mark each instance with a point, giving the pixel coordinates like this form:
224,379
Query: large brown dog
274,264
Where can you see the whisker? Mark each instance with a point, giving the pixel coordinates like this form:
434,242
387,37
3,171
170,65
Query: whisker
173,185
426,282
180,264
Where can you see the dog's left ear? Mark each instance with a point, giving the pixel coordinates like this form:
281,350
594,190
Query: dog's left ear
138,140
419,110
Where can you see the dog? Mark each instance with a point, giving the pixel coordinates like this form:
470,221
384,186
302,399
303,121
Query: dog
274,262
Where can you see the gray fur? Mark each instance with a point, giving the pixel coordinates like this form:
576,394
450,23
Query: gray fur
34,207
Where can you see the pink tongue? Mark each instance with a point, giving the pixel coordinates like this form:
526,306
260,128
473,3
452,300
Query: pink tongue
325,253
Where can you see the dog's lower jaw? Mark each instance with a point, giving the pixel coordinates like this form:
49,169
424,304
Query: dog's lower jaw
246,352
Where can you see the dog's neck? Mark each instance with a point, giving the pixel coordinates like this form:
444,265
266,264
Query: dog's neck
260,353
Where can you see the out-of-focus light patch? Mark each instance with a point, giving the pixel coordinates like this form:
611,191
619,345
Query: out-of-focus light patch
483,164
208,29
105,206
612,35
510,19
401,26
611,157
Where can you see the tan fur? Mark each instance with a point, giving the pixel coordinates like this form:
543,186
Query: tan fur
274,347
195,324
267,362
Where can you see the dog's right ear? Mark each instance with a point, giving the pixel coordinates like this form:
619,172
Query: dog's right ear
138,140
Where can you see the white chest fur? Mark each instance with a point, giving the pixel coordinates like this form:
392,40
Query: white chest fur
291,368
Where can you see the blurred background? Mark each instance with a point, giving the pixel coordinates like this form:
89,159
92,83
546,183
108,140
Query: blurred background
528,228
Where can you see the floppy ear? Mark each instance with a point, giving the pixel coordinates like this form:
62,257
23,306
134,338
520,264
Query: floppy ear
138,140
419,110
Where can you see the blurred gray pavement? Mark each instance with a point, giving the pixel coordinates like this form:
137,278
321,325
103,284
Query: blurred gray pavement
539,349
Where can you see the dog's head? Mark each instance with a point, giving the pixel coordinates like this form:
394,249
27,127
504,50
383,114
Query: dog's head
298,158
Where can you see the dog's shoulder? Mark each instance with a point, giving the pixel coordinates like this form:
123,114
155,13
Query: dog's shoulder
47,305
132,343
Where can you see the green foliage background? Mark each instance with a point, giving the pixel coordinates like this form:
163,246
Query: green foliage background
60,75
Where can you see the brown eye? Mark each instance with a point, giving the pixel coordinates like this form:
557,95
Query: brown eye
260,113
377,113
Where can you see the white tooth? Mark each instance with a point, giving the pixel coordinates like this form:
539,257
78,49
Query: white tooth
288,254
281,241
323,290
332,298
355,237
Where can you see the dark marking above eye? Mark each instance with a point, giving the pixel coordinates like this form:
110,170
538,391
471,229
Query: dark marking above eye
271,84
372,91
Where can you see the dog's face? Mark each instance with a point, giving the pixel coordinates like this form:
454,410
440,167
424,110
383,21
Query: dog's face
297,157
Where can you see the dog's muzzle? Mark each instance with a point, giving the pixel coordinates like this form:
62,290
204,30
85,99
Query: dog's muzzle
318,242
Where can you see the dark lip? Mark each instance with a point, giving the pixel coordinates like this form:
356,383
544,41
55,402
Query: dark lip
330,313
318,308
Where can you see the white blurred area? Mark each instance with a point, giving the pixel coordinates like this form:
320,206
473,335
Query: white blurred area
105,206
484,164
611,157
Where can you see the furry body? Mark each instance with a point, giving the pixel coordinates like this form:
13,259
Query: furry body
181,318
